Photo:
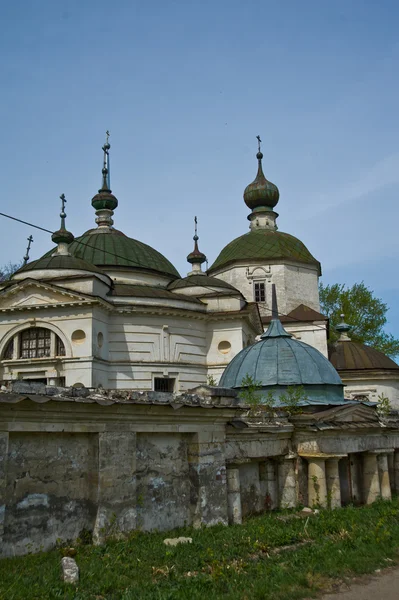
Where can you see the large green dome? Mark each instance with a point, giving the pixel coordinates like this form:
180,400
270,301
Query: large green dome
112,248
264,244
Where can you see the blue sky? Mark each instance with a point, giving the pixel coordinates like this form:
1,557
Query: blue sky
184,87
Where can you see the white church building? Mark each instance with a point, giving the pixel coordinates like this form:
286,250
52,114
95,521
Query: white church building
106,310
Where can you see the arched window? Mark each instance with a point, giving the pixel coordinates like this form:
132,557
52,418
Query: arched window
36,342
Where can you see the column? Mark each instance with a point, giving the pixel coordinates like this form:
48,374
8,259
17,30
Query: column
355,477
3,480
116,503
371,482
268,484
333,483
287,482
317,485
207,472
234,495
396,470
383,471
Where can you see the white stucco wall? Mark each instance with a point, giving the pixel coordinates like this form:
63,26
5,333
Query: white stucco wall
295,284
372,387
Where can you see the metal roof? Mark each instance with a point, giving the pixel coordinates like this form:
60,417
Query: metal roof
201,281
278,361
352,356
112,248
264,244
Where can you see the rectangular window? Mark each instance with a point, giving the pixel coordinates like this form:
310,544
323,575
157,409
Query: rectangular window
260,293
164,384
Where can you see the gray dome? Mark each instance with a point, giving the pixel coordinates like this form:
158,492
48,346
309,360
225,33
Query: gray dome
278,361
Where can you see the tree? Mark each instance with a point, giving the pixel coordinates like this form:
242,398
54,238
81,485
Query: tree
363,311
6,271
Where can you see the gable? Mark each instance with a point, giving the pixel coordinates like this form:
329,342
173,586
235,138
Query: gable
29,293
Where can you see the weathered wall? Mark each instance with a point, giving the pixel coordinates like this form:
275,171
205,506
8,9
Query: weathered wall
51,487
163,486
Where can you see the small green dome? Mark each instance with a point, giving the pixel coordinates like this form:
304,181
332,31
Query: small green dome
264,244
104,199
112,248
62,236
261,192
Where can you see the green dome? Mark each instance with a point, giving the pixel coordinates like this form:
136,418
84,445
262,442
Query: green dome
264,244
59,261
112,248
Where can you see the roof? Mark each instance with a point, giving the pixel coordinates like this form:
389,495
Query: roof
264,244
40,394
147,291
112,248
301,313
352,356
59,261
201,281
278,361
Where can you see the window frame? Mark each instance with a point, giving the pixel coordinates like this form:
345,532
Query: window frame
260,290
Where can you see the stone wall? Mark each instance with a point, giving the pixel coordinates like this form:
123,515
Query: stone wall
112,462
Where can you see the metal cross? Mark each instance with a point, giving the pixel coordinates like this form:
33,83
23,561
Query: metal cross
63,202
195,221
26,257
259,142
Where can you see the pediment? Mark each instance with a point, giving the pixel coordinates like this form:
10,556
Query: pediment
354,413
32,293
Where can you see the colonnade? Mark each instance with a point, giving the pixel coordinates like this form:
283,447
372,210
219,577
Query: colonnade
368,476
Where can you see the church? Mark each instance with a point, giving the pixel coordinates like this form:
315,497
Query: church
103,310
125,400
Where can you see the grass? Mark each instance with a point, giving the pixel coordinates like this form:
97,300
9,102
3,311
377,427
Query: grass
239,562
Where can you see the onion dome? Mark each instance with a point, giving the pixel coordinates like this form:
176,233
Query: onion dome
346,355
105,199
196,258
108,248
261,192
278,360
62,237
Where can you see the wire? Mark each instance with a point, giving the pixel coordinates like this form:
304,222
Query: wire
130,260
133,262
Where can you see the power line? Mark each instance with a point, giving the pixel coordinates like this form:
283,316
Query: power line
134,263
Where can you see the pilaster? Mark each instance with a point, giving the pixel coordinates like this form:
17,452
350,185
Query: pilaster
116,502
